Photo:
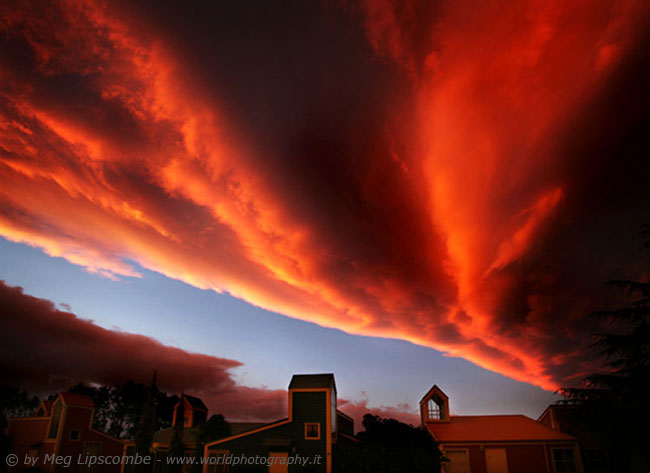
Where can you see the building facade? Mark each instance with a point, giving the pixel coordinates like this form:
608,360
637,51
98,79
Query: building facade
497,443
60,438
603,449
301,442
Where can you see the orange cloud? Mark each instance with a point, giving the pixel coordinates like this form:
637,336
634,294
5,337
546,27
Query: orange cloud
423,198
357,409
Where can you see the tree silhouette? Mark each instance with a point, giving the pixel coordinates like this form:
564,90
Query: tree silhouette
176,446
146,427
14,402
614,402
388,446
214,428
118,408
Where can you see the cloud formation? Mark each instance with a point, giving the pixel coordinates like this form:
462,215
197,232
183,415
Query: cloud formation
46,350
357,409
460,176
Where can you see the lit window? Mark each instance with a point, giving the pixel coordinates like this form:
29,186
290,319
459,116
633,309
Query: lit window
74,434
312,430
564,460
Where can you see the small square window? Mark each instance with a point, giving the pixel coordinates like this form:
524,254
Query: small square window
74,434
312,430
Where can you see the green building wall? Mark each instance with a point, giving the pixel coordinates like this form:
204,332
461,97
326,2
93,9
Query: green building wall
287,437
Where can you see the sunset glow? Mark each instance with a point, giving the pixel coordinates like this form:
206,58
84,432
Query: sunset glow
438,192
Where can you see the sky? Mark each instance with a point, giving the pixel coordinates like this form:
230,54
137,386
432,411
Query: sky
401,193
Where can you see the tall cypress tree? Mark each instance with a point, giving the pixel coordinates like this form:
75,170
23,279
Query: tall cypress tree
177,447
147,426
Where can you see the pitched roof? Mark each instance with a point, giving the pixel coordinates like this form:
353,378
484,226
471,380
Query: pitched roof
74,399
493,429
434,390
195,402
312,381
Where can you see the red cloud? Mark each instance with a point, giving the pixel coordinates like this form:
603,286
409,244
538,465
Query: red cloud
357,409
450,198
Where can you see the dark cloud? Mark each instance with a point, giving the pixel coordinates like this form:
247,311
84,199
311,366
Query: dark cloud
46,350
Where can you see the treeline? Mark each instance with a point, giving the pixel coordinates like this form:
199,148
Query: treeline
388,446
118,409
15,402
126,411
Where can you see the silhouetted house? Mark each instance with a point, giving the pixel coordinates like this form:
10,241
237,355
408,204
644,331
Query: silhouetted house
602,451
195,411
62,427
195,414
497,443
314,424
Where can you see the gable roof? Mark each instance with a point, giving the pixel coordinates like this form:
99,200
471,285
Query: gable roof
312,381
434,390
195,402
494,428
